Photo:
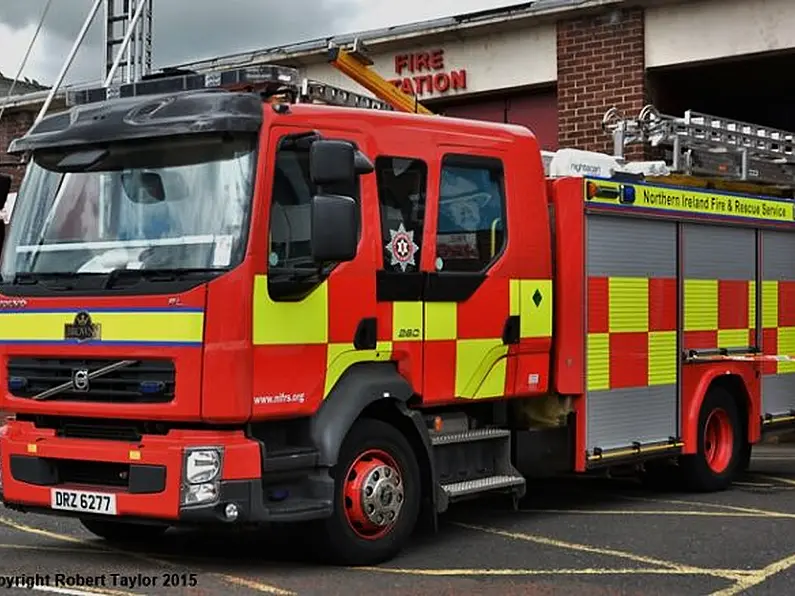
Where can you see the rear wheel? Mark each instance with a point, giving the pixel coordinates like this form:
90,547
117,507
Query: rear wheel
377,497
123,532
720,444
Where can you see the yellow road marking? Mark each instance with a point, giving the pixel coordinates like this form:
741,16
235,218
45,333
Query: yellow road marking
754,579
787,481
251,584
82,591
35,547
760,512
646,512
754,484
528,572
608,552
46,533
247,583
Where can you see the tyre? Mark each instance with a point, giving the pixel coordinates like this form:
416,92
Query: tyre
123,532
720,444
377,497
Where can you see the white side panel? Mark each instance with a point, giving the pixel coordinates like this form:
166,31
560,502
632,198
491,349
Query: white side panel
711,29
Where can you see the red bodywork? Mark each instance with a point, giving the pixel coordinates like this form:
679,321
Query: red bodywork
219,380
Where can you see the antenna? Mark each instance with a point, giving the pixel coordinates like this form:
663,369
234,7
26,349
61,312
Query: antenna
136,45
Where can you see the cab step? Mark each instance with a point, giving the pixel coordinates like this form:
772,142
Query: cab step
470,462
469,436
492,483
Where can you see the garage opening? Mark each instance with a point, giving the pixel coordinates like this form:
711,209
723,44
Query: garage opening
757,90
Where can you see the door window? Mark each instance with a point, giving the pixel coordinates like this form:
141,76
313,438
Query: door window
471,230
402,184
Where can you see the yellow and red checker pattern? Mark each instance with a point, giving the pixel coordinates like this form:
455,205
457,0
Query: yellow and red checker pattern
305,347
778,325
719,314
632,327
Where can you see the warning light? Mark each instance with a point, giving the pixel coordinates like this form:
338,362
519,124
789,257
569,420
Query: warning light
594,190
627,195
266,78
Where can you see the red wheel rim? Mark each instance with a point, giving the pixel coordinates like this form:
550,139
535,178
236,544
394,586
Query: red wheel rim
373,494
718,440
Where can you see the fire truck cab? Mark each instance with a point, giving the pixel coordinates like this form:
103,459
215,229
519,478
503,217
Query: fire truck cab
216,309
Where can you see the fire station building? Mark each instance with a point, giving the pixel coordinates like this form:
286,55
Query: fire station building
556,66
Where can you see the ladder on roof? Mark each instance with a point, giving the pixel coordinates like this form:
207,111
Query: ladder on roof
317,92
355,64
701,144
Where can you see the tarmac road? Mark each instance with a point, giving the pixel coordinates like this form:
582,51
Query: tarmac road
592,536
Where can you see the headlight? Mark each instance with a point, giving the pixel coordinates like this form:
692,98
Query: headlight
201,475
202,465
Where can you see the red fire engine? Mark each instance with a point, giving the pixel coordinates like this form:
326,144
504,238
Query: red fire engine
223,305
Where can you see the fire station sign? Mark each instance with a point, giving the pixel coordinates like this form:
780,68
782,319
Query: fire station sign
425,73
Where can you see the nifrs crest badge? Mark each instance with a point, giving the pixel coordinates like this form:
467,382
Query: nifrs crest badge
82,328
402,248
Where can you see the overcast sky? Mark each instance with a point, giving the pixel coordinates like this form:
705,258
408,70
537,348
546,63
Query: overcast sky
187,30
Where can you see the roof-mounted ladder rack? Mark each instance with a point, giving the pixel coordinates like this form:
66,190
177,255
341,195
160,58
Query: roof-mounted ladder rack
317,92
700,144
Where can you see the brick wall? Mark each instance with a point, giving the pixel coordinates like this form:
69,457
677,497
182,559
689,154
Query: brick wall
601,64
14,124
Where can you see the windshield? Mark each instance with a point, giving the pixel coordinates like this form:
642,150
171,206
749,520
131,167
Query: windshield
173,204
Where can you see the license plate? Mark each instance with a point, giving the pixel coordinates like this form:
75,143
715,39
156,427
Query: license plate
83,501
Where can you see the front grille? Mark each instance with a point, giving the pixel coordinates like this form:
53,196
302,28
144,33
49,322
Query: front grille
92,473
102,429
142,381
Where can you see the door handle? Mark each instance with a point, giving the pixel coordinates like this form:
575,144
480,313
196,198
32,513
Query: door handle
510,333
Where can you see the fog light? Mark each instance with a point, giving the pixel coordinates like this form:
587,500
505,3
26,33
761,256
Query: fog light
199,494
231,512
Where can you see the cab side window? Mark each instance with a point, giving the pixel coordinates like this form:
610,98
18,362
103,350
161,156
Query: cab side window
402,188
290,228
471,229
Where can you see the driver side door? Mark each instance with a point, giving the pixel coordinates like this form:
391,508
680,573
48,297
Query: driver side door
307,330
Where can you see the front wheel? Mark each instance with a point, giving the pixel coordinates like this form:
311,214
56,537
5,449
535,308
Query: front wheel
720,444
377,497
123,532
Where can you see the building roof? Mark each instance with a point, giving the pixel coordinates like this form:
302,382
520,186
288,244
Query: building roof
461,24
21,87
471,23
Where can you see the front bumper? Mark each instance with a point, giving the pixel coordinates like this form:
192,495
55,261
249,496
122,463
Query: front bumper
146,477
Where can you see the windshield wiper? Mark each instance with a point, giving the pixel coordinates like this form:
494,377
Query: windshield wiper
51,277
155,275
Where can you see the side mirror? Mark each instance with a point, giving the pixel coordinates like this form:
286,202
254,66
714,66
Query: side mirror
335,236
332,162
5,188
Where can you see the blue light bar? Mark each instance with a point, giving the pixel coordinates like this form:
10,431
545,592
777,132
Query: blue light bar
266,78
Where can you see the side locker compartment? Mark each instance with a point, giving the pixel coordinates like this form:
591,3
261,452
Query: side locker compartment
631,339
719,273
778,325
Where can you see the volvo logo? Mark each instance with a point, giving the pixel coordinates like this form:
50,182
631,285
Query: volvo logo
80,380
13,303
